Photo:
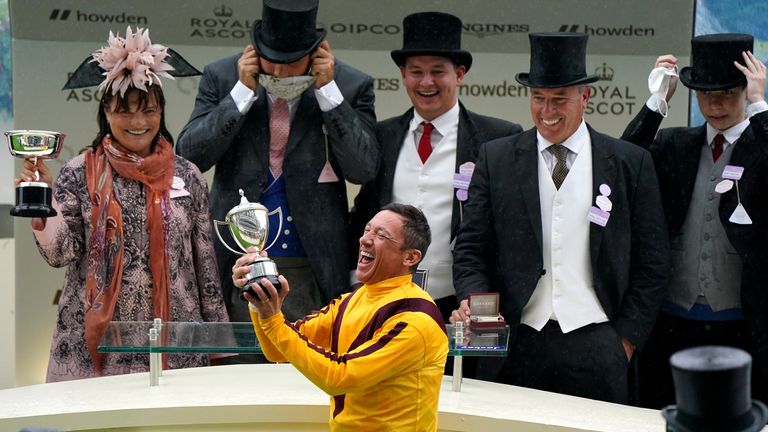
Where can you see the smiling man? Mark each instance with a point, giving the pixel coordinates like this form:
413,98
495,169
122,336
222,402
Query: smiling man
435,139
379,351
717,292
565,223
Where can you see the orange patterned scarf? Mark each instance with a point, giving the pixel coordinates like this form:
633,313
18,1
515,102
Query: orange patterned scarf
105,247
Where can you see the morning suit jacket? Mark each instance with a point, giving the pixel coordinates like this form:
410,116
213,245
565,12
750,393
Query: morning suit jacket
238,145
499,246
676,153
473,131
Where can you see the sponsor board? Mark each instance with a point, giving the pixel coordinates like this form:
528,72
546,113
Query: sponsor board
615,28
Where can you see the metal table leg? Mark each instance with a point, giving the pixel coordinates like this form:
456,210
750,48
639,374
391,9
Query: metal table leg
457,373
154,359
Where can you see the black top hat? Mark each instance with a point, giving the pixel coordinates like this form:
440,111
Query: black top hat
432,33
286,31
557,60
712,58
712,391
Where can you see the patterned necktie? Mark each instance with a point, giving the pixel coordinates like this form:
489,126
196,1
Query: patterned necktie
717,146
279,127
561,167
425,143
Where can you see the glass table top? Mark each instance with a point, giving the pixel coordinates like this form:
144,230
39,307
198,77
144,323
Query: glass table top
240,338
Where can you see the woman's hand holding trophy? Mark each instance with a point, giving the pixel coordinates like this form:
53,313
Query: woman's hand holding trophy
33,189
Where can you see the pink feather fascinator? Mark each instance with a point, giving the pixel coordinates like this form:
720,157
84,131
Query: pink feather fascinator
130,61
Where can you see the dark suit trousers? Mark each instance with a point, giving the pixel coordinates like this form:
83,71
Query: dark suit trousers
671,334
588,362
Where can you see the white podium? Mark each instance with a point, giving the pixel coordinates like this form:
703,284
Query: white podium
272,397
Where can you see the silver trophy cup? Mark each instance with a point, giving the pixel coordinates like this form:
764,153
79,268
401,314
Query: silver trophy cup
248,224
33,198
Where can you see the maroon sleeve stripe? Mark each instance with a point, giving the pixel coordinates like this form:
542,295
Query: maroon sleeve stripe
338,319
338,404
338,401
379,344
391,309
315,314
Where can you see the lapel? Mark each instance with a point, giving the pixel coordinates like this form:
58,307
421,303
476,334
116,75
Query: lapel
304,119
688,164
391,144
468,139
603,172
747,150
524,170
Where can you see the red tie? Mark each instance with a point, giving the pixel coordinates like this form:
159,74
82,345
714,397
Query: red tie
425,143
717,146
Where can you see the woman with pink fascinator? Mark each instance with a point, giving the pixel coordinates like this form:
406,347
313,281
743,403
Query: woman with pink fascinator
132,224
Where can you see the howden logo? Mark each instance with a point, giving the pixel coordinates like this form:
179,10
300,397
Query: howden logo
626,31
95,17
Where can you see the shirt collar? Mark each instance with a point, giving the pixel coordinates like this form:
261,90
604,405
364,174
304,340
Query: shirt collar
442,123
731,134
574,143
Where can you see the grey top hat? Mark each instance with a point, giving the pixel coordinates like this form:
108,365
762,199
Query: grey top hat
286,31
712,58
432,33
557,60
712,392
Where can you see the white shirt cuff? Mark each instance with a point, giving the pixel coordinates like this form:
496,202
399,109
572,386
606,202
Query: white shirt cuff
757,108
329,96
653,103
243,97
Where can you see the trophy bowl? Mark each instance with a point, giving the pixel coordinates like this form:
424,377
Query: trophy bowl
248,224
33,199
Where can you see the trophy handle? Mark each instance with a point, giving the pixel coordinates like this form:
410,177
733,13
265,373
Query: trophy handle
216,228
279,212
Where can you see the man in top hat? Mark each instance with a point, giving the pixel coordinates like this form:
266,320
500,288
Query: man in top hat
712,392
418,167
565,223
288,123
713,181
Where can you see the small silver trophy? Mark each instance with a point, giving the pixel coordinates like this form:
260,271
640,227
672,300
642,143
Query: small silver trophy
248,223
33,199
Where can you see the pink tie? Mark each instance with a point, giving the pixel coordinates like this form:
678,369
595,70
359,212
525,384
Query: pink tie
425,143
717,146
279,127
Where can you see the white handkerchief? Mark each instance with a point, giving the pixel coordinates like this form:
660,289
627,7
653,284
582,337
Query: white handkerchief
740,216
658,84
176,193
